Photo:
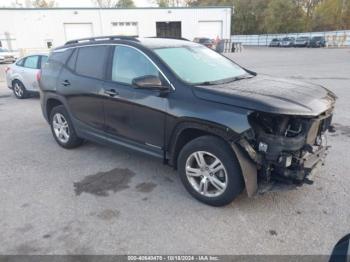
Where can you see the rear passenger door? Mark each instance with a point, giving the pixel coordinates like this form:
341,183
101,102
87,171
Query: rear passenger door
81,82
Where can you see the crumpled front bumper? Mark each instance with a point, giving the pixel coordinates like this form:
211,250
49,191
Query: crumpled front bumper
288,161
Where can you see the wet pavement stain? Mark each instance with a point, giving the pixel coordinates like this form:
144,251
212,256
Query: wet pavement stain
26,249
341,129
145,187
47,236
108,214
26,228
273,232
167,179
101,183
5,96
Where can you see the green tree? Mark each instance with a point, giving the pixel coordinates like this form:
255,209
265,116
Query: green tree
163,3
332,15
43,3
105,3
248,16
308,7
346,14
172,3
283,16
210,3
125,4
114,3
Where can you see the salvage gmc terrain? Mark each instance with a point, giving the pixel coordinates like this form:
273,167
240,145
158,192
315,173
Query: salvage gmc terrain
223,127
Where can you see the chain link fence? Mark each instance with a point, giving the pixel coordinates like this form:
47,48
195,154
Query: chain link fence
333,38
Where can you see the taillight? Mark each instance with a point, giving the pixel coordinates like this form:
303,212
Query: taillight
38,75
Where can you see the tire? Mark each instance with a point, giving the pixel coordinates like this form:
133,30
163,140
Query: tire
196,179
62,128
19,90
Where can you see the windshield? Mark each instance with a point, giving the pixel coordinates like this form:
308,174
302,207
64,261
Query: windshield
199,64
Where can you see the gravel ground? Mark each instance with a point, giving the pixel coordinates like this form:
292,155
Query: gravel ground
54,201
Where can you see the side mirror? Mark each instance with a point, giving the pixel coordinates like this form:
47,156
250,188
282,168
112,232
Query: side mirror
149,82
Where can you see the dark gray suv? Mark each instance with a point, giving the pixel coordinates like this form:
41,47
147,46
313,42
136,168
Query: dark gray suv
223,127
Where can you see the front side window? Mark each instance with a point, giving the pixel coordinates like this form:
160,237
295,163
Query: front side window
91,61
20,62
198,64
31,62
128,64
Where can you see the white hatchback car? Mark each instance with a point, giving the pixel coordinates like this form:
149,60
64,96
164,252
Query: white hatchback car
22,76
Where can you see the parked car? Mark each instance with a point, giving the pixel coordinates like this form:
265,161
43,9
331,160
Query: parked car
7,56
22,76
317,41
275,42
302,41
288,42
205,41
224,128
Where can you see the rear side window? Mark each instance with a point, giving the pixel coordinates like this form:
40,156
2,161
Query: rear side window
91,61
31,62
60,56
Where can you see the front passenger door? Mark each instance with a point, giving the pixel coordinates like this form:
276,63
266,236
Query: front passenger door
134,113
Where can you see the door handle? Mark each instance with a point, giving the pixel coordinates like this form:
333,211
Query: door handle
111,93
65,83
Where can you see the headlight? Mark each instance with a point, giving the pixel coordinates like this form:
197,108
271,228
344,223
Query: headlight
2,57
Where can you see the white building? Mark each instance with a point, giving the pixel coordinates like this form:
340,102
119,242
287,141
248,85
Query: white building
29,28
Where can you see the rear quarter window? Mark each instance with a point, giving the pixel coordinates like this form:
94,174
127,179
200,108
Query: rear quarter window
59,56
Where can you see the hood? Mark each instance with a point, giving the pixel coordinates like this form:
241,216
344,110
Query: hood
271,95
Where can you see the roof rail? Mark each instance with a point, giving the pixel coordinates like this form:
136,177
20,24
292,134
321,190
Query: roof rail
174,38
101,38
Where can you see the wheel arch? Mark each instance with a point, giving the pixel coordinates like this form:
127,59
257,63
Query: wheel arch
51,103
16,79
189,129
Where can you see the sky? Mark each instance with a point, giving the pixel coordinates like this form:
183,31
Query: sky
78,3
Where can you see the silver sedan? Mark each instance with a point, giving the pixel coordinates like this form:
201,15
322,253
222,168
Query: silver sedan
22,76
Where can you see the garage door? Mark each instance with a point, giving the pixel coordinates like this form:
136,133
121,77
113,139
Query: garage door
210,29
125,28
76,31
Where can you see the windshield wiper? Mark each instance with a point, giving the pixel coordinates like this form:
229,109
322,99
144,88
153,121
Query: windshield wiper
225,81
237,78
209,83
